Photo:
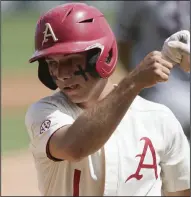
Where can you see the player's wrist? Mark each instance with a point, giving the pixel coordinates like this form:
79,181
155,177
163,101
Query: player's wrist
134,81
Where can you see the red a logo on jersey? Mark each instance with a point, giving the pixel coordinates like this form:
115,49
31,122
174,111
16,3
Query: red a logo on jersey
148,144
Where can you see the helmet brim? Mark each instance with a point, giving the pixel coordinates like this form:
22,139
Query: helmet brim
63,48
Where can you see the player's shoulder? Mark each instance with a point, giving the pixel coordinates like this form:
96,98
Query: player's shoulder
143,105
49,105
45,102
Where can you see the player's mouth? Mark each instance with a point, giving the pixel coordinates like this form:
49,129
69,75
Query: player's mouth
72,88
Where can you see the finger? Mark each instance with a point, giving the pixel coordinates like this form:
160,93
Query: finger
161,76
152,57
161,60
164,69
165,61
161,67
154,53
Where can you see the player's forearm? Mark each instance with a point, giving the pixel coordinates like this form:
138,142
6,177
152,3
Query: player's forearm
94,127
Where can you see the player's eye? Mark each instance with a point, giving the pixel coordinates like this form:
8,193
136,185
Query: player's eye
66,62
53,64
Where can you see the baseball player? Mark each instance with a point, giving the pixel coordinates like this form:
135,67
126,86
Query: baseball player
91,138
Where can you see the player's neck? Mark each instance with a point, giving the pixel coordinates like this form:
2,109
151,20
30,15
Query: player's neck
98,95
106,90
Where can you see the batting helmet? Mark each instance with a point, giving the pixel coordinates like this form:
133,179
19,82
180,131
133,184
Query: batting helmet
73,28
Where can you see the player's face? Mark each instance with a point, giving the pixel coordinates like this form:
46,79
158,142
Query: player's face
77,87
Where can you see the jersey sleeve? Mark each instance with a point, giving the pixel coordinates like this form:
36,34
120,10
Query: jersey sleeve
42,120
175,162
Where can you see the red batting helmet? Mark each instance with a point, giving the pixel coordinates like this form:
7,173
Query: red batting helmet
73,28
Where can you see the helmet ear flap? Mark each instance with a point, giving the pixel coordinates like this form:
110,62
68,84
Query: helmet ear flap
92,57
44,75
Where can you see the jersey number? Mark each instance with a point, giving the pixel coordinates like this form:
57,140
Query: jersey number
76,182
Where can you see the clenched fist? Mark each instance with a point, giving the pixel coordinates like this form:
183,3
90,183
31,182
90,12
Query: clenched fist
153,69
176,49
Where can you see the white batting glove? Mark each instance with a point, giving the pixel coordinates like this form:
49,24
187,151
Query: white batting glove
176,49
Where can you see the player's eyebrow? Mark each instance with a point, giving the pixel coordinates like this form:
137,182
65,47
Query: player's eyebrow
49,58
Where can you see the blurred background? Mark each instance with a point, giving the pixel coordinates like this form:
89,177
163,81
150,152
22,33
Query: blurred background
20,84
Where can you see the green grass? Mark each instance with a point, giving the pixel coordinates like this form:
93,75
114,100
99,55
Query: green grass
17,41
13,132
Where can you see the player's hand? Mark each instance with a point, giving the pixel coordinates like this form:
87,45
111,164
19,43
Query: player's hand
176,49
153,69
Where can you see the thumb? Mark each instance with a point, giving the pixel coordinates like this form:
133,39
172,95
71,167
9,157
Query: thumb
183,48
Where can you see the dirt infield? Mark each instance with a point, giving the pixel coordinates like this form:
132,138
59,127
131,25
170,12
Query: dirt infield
19,175
20,91
18,170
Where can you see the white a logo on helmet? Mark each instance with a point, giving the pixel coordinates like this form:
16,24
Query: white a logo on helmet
49,33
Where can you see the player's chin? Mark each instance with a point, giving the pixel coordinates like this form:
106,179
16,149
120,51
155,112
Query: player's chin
76,98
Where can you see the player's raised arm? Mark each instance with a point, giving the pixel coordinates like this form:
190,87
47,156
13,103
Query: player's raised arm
79,63
96,124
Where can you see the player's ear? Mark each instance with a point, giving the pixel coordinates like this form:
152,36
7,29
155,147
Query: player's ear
45,76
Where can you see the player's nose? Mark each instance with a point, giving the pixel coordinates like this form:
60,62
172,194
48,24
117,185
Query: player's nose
65,72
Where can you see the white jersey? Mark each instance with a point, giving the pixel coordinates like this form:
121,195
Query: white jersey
147,148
